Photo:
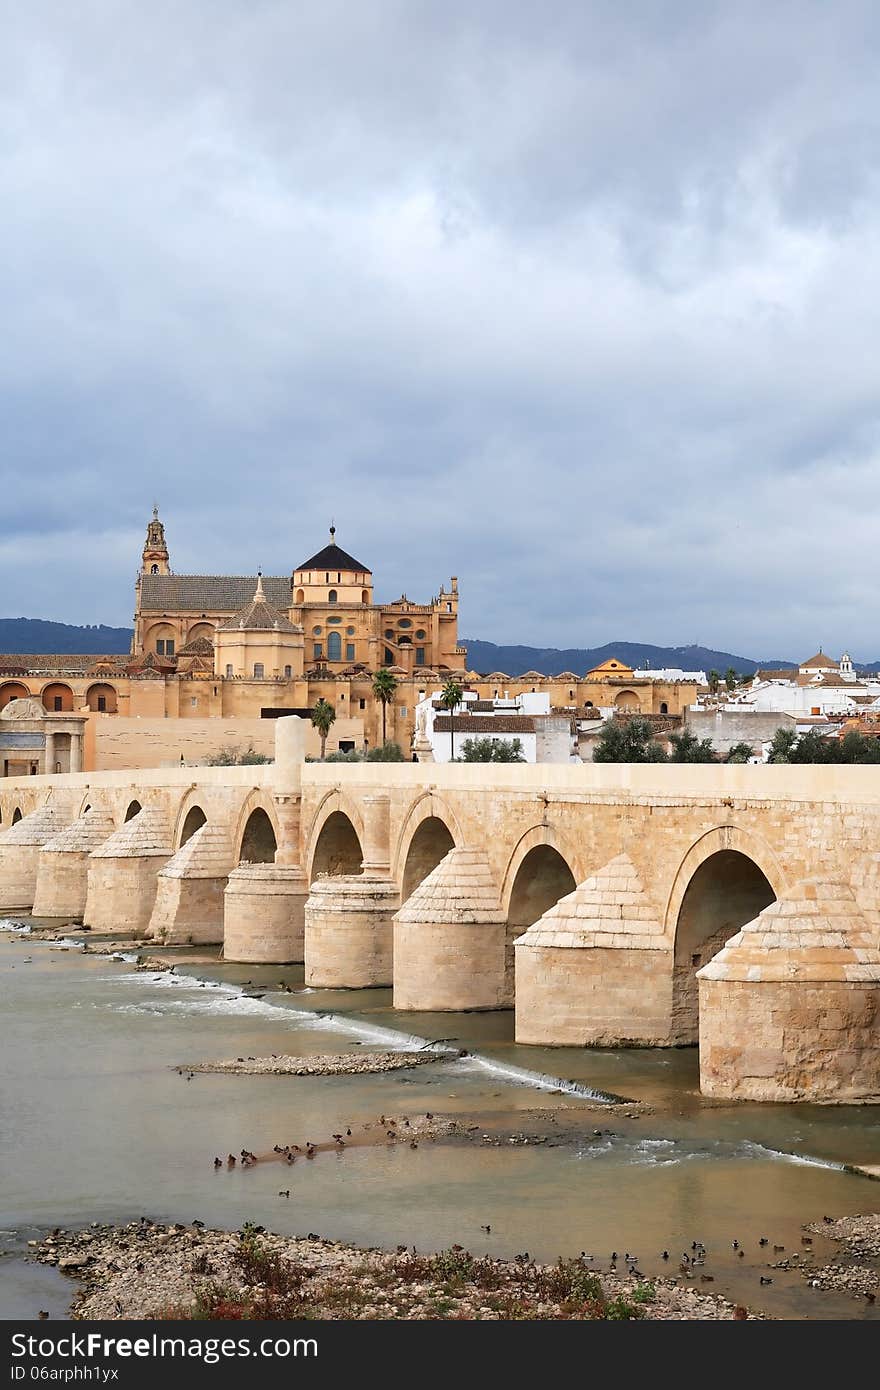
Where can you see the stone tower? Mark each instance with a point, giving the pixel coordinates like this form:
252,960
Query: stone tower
155,553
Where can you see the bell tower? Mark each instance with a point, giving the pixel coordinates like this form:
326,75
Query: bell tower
155,554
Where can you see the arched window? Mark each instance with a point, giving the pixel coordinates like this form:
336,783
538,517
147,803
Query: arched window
154,569
300,596
258,670
664,708
288,672
388,658
365,597
229,670
334,646
332,596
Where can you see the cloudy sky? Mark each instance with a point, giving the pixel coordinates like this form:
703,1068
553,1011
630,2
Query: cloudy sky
578,301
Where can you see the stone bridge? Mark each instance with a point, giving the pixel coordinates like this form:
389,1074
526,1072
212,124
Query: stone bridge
644,905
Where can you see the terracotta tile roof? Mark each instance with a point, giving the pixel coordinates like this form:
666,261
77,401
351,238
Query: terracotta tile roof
59,663
199,646
258,615
209,593
474,724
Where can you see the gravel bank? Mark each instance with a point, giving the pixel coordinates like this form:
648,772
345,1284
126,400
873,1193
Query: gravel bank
142,1270
860,1274
330,1064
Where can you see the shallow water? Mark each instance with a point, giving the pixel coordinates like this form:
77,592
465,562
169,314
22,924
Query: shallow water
96,1124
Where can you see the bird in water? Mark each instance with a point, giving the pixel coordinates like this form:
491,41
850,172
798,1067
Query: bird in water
230,1161
284,1194
763,1241
43,1313
487,1229
218,1162
764,1280
665,1255
199,1225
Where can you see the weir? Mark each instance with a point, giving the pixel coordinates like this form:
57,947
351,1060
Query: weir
608,904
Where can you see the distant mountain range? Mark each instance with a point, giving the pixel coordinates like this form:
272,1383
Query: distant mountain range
36,635
486,656
29,635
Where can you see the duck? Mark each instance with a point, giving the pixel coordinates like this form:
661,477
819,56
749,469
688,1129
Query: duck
765,1280
488,1229
218,1162
284,1194
230,1160
763,1241
199,1225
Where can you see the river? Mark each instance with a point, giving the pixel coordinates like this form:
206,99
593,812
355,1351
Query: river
97,1124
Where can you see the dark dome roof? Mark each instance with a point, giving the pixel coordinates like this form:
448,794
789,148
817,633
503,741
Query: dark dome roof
333,557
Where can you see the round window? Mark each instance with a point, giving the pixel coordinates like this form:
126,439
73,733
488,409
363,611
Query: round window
420,635
389,633
349,632
316,631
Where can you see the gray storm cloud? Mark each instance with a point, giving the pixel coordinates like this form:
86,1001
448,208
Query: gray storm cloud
578,302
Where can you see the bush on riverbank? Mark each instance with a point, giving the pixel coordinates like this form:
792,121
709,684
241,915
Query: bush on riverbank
452,1284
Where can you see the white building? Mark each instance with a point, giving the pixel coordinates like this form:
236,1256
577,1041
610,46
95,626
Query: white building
545,737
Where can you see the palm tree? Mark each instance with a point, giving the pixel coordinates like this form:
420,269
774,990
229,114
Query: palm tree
714,682
384,686
323,715
450,697
730,678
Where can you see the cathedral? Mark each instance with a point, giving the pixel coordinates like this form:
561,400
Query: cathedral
319,619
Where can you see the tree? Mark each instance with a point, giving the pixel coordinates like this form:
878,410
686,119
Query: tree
384,686
782,746
814,747
323,716
740,753
730,679
492,750
627,741
714,681
687,748
450,698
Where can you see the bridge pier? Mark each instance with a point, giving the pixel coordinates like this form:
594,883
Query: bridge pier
450,939
190,888
20,848
790,1008
349,932
122,875
63,866
349,935
263,913
596,970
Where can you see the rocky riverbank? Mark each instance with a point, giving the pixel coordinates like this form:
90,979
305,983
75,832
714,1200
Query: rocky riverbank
860,1239
144,1270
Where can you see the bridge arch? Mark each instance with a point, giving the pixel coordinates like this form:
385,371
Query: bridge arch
256,833
556,854
724,881
133,809
429,832
190,822
336,837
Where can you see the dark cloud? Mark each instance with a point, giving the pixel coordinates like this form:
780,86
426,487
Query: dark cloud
578,302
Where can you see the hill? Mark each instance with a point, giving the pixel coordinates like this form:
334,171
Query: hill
36,635
486,656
